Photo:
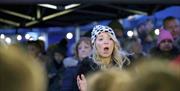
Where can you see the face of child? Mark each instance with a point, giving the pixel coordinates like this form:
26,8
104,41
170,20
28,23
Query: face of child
84,50
166,45
104,44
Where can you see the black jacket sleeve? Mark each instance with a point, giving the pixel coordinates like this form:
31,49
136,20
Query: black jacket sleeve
87,66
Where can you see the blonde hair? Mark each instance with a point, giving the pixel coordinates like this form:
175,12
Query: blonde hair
108,80
116,56
154,75
20,72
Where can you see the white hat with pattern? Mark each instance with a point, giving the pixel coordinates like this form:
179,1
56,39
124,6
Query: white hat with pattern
98,29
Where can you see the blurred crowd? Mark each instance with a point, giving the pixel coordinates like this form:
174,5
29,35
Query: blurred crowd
106,61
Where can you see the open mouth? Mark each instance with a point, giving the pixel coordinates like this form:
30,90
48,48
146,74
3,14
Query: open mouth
106,48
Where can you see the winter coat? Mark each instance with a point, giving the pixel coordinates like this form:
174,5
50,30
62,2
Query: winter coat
157,53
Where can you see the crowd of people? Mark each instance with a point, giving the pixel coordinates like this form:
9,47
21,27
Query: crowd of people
106,61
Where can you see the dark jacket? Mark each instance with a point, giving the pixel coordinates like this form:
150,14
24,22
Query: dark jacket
55,81
157,53
69,79
87,66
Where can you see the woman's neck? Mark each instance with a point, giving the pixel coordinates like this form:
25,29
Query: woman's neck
106,60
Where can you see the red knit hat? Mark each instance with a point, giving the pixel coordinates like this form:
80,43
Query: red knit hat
163,35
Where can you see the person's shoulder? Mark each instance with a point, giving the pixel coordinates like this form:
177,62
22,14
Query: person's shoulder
88,65
70,61
87,60
69,58
154,49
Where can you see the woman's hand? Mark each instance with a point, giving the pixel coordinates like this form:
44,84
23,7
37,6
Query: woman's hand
81,82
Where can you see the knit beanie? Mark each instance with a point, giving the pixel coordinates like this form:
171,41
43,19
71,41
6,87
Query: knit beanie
164,34
98,29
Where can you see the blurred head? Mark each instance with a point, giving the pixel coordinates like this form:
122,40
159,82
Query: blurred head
117,27
135,45
146,25
59,53
149,25
83,48
154,75
105,44
58,57
33,48
109,80
165,40
42,45
173,25
20,72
